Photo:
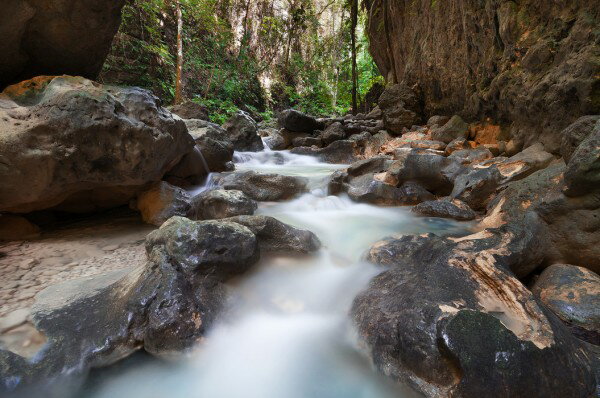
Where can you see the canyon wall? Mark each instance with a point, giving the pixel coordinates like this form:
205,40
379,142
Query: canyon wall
55,37
531,66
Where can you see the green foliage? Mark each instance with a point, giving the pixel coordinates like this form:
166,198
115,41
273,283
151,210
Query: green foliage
307,61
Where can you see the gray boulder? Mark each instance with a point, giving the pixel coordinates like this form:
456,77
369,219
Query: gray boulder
214,143
297,121
445,208
220,203
190,110
275,236
453,129
71,142
263,187
161,202
242,130
400,107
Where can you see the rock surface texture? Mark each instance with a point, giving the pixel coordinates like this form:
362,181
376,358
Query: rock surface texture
530,65
82,146
51,37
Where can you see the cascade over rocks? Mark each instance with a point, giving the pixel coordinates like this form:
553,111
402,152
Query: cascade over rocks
51,37
216,147
82,146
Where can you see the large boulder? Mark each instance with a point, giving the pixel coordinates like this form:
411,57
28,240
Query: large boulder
71,142
52,37
275,236
263,187
575,133
573,294
164,307
242,130
190,110
448,319
400,107
582,175
219,203
445,208
338,152
453,129
296,121
216,147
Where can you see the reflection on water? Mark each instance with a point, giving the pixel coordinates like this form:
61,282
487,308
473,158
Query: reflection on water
288,335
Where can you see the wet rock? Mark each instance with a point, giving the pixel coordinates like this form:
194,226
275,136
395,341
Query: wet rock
307,142
431,169
582,175
275,236
400,107
478,185
56,154
375,164
342,151
453,129
457,144
264,187
437,120
367,189
575,134
445,208
190,110
469,156
448,320
333,132
296,121
192,169
14,227
56,38
572,293
215,145
219,203
161,202
242,130
215,248
275,141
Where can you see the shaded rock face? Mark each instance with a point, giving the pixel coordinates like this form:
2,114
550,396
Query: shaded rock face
448,319
455,128
15,227
582,175
68,141
161,202
400,107
445,208
190,110
275,236
573,294
296,121
529,65
263,187
220,203
55,37
242,130
216,147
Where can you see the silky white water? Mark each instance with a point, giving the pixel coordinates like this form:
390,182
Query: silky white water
289,334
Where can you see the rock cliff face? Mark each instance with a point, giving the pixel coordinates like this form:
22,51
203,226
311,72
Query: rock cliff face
52,37
531,66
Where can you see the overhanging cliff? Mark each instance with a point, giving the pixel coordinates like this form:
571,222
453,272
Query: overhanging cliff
531,66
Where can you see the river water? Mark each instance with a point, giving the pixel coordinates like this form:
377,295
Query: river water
289,334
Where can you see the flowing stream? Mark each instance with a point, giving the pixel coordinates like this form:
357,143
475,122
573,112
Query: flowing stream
289,334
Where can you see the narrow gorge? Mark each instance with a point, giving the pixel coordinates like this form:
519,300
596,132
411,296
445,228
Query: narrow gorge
299,198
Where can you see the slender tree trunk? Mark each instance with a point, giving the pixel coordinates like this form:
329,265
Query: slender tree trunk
179,72
353,23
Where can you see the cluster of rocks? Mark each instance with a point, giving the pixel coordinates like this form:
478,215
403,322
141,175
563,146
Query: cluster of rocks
512,308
